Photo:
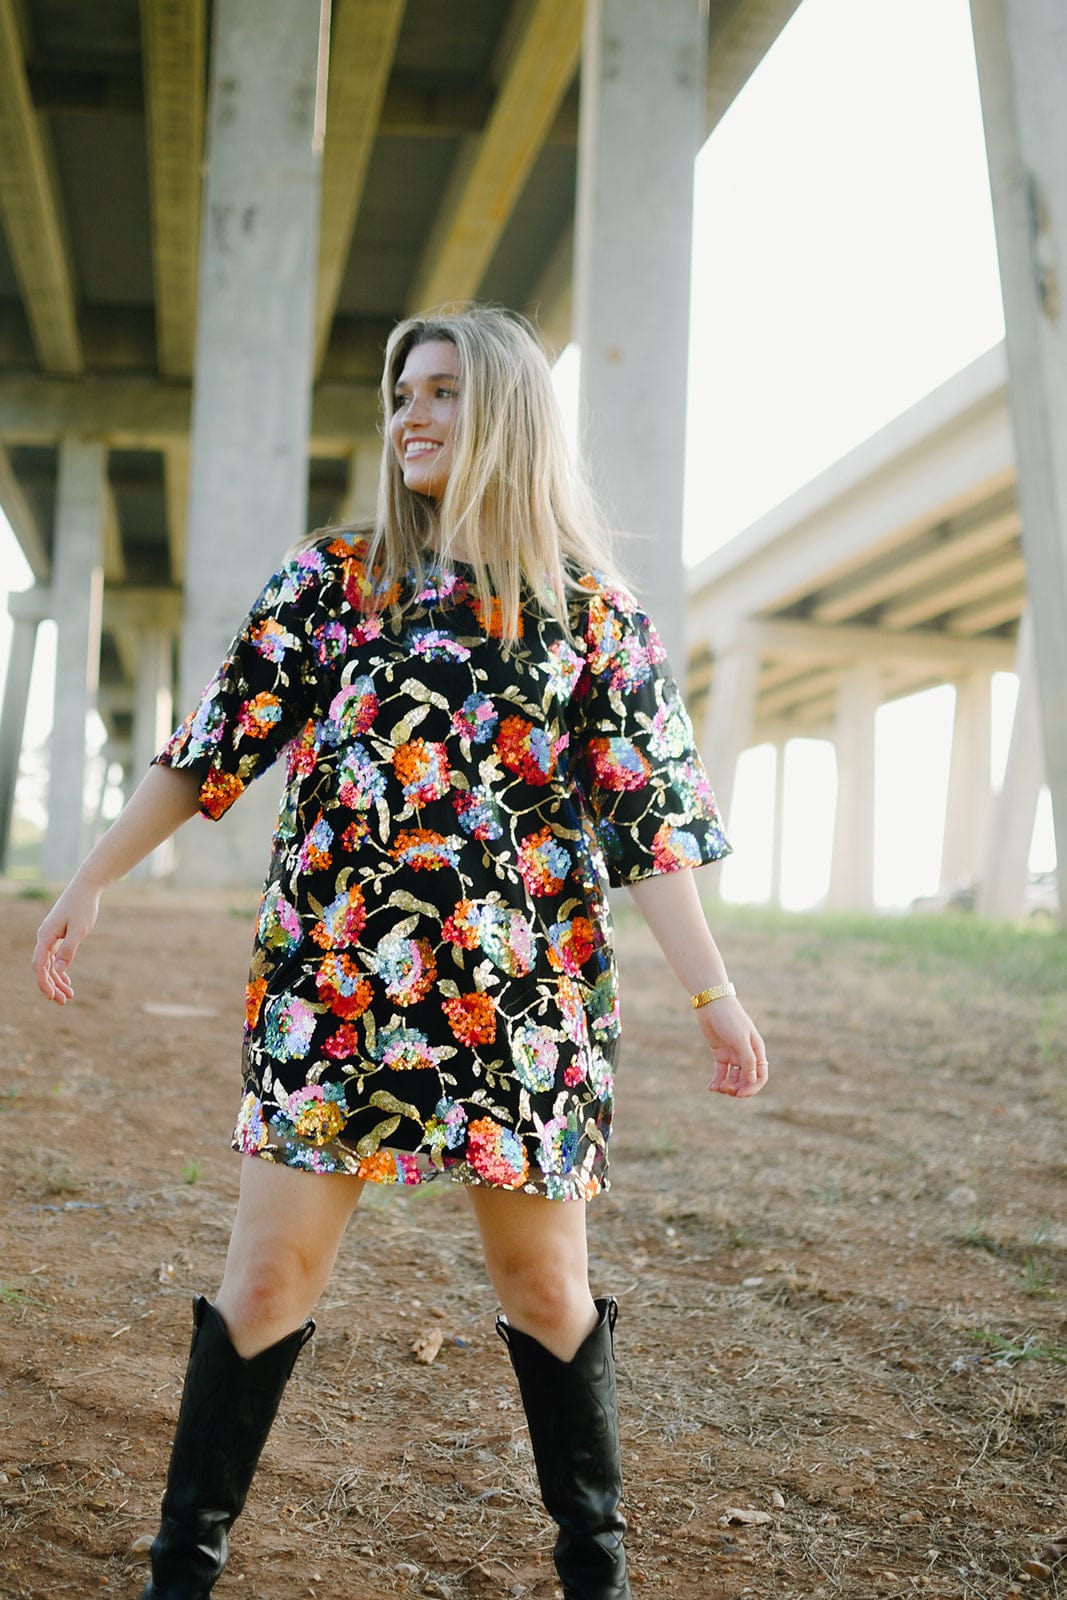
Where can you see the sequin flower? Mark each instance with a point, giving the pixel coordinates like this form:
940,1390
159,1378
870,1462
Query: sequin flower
278,924
315,851
342,920
570,944
477,813
423,850
342,987
423,770
543,862
476,719
406,1049
535,1056
406,967
472,1018
290,1024
434,645
526,750
316,1112
496,1154
618,764
352,711
673,848
250,1134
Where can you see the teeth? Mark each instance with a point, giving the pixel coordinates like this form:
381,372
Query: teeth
420,448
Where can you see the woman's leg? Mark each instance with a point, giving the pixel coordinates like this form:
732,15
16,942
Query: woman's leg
538,1263
561,1345
285,1239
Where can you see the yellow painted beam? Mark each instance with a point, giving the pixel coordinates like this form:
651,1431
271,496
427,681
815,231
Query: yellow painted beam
363,38
362,48
173,47
32,214
493,169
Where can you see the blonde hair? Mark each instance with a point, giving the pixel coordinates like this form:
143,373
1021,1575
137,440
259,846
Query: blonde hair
515,501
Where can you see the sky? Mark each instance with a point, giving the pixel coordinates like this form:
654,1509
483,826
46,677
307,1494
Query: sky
843,266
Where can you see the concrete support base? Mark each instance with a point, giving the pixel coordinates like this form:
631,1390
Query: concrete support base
852,864
642,116
1002,892
153,718
728,728
970,798
77,597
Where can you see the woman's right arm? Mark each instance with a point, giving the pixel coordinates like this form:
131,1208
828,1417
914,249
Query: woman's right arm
162,801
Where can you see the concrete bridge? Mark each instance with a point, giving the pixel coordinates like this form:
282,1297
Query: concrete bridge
210,217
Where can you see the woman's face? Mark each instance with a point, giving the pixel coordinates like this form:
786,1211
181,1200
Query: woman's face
426,406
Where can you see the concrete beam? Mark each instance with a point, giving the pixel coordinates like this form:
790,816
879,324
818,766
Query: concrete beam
1006,606
490,174
739,36
173,52
32,212
24,525
363,38
944,457
942,552
1006,569
138,607
142,414
852,863
815,642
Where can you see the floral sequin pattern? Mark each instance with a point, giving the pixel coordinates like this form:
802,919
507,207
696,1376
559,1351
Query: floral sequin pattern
432,989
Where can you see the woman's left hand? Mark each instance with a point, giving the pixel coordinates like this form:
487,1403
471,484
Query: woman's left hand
740,1054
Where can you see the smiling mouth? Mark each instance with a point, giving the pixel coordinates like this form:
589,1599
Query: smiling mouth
420,447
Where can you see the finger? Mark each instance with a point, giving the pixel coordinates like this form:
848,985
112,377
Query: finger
753,1078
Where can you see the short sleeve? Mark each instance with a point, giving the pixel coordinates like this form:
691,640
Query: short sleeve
261,696
637,761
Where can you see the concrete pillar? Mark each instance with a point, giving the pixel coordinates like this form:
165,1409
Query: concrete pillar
153,719
728,729
77,596
252,381
778,824
1021,47
13,719
852,863
642,109
970,796
1002,891
361,493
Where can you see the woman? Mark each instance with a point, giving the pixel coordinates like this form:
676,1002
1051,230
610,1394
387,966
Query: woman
479,729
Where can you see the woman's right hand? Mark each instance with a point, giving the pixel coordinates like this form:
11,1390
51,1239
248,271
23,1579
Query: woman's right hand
58,938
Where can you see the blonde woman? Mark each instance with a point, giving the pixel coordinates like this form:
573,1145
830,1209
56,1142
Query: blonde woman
480,732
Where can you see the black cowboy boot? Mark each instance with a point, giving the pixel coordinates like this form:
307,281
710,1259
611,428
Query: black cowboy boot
572,1411
228,1405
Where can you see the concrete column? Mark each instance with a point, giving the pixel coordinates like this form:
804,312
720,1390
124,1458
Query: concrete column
77,596
1021,47
1002,891
642,109
778,825
728,722
852,863
254,343
153,719
970,796
13,720
361,493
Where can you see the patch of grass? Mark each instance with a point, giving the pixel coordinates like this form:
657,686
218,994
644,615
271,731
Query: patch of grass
192,1171
976,1238
1037,1280
1006,1352
1022,958
11,1296
54,1175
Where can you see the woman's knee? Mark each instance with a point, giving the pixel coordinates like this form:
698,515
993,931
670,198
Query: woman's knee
266,1289
540,1292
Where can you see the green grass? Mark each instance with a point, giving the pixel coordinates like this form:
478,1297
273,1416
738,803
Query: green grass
1007,1352
1024,959
192,1171
11,1296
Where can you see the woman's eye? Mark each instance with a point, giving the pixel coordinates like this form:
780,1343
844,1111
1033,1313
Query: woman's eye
400,401
447,394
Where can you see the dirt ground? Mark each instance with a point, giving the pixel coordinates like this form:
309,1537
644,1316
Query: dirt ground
842,1305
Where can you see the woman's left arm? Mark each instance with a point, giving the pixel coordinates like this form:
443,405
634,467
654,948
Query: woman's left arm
671,906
